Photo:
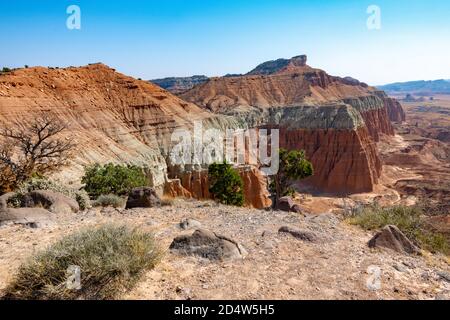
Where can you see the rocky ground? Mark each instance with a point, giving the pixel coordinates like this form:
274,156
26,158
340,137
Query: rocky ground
334,265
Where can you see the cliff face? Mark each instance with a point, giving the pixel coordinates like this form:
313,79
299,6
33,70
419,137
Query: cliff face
345,161
196,184
290,95
393,107
114,118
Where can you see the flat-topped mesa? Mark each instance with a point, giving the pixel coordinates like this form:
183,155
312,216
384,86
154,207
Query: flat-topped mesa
336,120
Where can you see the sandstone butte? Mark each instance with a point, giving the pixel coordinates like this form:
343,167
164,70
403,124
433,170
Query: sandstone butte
116,118
337,121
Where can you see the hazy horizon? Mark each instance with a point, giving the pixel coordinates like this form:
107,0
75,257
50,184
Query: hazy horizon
153,39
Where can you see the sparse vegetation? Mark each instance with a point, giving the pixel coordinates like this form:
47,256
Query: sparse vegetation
293,166
113,179
6,70
111,259
410,220
32,150
109,200
226,184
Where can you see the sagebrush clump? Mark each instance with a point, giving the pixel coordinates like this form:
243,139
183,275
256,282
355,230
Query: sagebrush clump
109,200
410,220
111,259
113,179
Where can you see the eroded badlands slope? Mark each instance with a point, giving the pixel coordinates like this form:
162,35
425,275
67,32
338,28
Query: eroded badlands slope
336,120
111,117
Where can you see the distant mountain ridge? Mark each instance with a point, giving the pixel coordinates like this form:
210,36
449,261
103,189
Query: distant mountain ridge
441,86
178,85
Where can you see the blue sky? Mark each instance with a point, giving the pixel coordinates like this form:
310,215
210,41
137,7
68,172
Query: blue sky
151,39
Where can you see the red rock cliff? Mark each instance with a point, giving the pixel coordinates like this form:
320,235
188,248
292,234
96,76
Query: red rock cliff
344,156
255,186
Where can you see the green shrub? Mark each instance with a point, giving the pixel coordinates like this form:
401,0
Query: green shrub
109,200
226,185
293,166
16,201
6,69
113,179
111,259
410,220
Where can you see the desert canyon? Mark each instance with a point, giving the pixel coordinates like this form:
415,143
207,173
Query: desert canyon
365,146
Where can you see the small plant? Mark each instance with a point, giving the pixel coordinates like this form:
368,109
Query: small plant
293,166
226,185
113,179
16,201
6,70
83,199
109,200
26,66
31,150
410,220
111,259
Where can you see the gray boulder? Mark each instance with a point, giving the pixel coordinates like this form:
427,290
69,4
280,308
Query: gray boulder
288,205
52,201
303,235
391,237
209,245
31,217
285,204
187,224
143,197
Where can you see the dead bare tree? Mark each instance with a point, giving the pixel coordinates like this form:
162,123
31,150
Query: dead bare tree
31,149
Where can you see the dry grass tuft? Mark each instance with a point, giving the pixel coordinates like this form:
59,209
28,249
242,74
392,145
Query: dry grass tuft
111,260
410,220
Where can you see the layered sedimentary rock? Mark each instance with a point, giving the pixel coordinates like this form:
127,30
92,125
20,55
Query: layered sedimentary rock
336,120
111,117
196,183
393,107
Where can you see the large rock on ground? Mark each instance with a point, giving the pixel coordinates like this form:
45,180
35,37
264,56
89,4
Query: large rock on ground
392,238
53,201
4,200
208,245
288,205
33,217
143,197
187,224
303,235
